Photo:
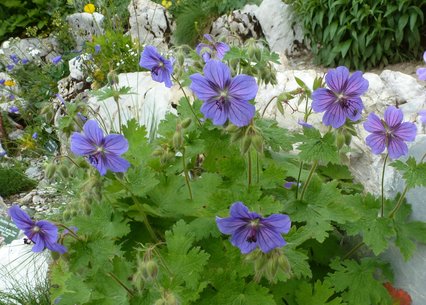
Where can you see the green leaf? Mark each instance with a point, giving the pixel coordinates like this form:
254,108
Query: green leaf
351,278
275,137
413,173
319,294
317,148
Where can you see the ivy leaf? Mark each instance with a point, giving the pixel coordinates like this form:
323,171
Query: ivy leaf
322,205
318,148
413,173
319,294
350,278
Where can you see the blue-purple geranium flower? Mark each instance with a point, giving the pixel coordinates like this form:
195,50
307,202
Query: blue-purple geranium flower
342,100
212,49
101,152
422,116
249,230
161,68
224,97
14,109
14,58
390,133
421,72
55,60
42,233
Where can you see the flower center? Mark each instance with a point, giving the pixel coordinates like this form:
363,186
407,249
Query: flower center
36,229
253,227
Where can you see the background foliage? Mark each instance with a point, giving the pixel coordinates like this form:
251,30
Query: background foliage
361,34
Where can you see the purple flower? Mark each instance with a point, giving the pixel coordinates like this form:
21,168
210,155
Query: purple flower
421,72
35,136
161,68
42,233
10,67
55,60
11,97
97,48
60,98
14,58
249,229
224,97
212,49
390,133
289,184
13,109
25,61
422,114
81,117
2,81
103,153
342,100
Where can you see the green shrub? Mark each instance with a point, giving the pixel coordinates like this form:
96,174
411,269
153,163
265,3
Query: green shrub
362,33
13,180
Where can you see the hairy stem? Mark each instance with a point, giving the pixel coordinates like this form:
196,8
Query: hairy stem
249,168
267,105
119,282
353,250
185,170
298,179
382,209
308,180
187,100
116,99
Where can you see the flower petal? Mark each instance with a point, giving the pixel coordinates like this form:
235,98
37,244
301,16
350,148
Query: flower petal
208,37
218,73
116,144
241,112
230,224
215,111
150,58
354,108
337,78
268,239
334,116
21,219
406,131
81,146
278,222
243,88
55,247
39,243
239,239
356,85
93,132
393,116
421,73
202,88
376,142
48,230
322,99
221,49
239,210
397,148
374,124
115,163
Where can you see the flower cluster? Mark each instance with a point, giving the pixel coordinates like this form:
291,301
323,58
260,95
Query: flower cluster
101,152
42,233
249,230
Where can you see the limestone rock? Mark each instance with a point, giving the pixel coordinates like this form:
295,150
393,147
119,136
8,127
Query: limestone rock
281,30
150,23
84,26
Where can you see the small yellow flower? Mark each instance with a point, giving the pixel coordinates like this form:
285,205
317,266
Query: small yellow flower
9,83
89,8
166,4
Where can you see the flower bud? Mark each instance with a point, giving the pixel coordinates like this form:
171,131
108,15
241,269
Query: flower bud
63,171
177,139
185,123
50,170
348,139
112,78
171,299
180,57
257,141
340,140
245,144
148,269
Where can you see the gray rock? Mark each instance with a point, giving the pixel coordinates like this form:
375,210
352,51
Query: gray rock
37,200
279,25
150,23
84,26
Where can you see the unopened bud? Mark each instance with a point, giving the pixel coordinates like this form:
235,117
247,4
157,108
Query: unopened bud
231,128
149,270
340,140
245,144
50,170
348,139
63,171
180,57
258,54
112,78
177,139
160,302
257,141
171,299
185,123
66,215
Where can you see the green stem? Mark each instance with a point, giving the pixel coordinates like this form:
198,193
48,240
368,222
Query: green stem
249,168
298,179
257,168
382,210
267,105
187,100
69,230
314,166
354,249
401,199
119,282
116,99
185,170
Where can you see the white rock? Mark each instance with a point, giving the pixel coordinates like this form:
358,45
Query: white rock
148,105
279,26
38,200
84,26
150,23
77,64
30,48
